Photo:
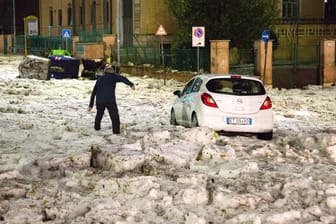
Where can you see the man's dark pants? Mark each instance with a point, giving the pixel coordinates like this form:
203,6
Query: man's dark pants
114,115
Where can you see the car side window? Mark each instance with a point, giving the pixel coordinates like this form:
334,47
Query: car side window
197,85
188,88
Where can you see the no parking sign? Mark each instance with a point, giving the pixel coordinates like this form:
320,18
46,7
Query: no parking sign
198,34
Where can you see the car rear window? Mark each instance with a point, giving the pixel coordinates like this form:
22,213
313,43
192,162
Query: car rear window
235,86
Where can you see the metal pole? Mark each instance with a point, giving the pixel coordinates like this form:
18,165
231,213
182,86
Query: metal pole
14,28
198,60
118,32
265,63
162,55
163,62
25,35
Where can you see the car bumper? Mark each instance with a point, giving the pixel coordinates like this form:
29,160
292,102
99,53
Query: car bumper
261,122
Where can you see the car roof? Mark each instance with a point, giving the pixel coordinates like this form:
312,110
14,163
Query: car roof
211,76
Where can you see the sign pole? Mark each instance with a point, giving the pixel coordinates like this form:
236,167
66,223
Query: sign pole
198,58
265,61
14,28
163,62
198,40
162,55
25,35
265,37
162,32
118,32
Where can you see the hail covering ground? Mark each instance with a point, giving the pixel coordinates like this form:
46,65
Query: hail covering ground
55,168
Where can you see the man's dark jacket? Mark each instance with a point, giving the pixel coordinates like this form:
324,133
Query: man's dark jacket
104,89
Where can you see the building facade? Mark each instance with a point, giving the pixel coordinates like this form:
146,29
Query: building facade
135,21
302,24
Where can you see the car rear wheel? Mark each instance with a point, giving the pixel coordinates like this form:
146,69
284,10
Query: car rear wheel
266,136
194,121
172,118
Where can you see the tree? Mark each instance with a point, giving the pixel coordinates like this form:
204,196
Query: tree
240,21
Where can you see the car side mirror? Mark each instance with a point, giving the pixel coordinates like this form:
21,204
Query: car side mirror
177,93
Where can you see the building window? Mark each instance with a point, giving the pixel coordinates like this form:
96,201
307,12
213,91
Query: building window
290,8
70,15
60,17
81,19
107,7
82,14
51,16
137,13
106,15
93,14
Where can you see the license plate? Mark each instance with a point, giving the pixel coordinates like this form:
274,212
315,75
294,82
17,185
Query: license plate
239,121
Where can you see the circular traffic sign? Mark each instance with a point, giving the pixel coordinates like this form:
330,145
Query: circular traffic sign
265,36
198,32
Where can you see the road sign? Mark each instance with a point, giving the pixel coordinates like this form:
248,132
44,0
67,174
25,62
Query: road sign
198,34
161,31
265,36
32,25
66,33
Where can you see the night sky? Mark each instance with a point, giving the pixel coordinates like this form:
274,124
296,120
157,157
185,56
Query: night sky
23,8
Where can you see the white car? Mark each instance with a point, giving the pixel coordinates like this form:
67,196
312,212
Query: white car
229,103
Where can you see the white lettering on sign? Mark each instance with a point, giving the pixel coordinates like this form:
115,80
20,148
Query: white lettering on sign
306,31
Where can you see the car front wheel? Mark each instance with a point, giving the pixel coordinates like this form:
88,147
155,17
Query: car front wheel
172,118
194,121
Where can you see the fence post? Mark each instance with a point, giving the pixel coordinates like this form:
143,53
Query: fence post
263,61
219,56
5,44
327,54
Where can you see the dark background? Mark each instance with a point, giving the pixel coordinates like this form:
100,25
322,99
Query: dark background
23,8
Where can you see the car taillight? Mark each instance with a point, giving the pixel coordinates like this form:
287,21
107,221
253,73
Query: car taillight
267,104
208,100
235,76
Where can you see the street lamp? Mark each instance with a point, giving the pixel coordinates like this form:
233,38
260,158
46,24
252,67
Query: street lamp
14,28
118,32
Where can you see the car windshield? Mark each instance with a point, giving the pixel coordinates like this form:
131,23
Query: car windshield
234,86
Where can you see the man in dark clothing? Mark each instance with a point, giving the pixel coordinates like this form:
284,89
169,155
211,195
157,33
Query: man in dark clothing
104,92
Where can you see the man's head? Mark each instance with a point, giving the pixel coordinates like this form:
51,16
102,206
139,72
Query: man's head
109,68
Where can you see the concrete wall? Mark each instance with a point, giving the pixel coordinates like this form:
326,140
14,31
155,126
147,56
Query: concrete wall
97,50
264,59
8,48
219,56
307,36
328,68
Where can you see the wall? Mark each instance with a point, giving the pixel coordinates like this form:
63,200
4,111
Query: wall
219,56
6,49
312,9
328,68
95,50
44,19
307,36
152,13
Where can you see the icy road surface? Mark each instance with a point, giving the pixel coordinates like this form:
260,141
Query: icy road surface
55,168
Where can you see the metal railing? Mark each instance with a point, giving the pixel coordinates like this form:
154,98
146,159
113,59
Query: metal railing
40,45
